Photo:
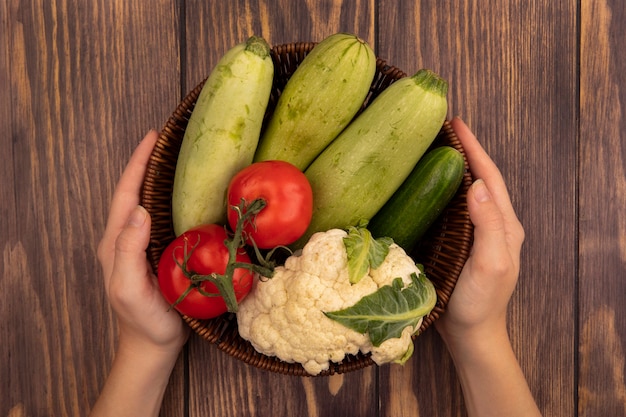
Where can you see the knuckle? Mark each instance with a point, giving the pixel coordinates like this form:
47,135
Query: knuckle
504,268
495,267
122,296
125,244
520,232
101,251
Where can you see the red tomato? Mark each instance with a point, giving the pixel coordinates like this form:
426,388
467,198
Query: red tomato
288,197
207,253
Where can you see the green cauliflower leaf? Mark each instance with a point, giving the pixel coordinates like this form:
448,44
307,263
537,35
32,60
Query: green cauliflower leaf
364,252
385,313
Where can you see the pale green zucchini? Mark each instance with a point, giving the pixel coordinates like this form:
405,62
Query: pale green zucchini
319,100
222,134
362,168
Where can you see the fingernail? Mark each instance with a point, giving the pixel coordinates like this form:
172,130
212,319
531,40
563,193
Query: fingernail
481,192
137,217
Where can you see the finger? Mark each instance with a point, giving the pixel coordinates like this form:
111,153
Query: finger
126,195
130,248
489,225
483,167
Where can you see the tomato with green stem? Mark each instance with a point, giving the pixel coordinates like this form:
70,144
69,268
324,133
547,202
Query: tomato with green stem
287,197
195,275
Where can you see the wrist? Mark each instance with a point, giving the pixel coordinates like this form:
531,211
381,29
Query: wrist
137,381
492,381
471,342
146,355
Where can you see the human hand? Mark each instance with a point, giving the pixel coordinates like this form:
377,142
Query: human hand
146,322
478,304
474,325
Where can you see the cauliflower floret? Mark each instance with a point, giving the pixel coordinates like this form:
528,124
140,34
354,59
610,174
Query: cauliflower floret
284,316
392,350
398,264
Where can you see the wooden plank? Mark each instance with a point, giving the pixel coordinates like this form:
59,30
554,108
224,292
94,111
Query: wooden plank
602,198
512,74
212,28
9,80
85,83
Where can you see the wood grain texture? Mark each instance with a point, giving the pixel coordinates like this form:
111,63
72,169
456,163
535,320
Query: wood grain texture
512,75
602,199
542,84
214,27
75,112
211,28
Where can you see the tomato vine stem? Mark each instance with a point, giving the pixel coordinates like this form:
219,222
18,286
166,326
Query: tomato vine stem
235,243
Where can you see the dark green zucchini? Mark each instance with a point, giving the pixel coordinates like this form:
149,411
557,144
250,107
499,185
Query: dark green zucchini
421,198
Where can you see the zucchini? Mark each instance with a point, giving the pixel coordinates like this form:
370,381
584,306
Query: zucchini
319,100
421,198
362,168
222,134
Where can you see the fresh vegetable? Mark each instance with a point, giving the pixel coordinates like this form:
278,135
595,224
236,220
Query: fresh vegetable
319,100
362,168
385,314
288,202
364,252
222,134
421,198
285,316
192,273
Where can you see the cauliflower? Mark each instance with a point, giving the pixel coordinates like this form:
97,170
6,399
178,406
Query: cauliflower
285,316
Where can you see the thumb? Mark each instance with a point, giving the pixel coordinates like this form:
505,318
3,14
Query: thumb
489,228
131,243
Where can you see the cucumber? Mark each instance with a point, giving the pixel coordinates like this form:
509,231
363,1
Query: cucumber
421,198
222,134
362,168
319,100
